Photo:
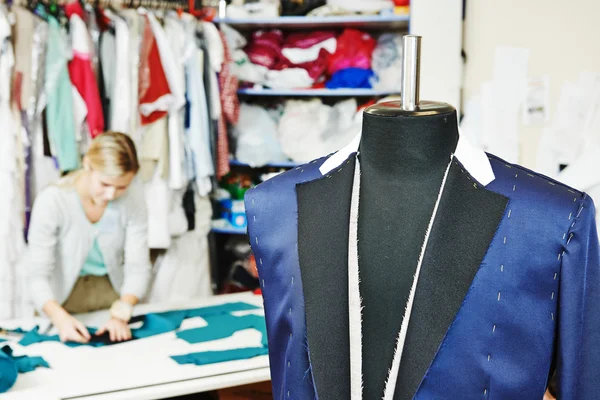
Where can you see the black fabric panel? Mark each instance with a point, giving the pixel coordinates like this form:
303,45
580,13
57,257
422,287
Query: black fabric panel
466,222
323,218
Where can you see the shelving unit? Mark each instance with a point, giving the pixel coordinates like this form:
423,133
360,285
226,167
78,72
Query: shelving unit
222,231
317,92
367,22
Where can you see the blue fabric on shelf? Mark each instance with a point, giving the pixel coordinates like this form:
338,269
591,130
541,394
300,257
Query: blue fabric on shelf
353,78
152,324
212,357
8,372
223,326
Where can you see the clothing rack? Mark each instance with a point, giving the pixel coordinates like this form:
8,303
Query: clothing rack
150,4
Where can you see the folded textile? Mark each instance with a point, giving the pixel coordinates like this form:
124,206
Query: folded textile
289,78
152,324
354,49
306,40
299,55
362,6
212,357
355,78
264,47
315,69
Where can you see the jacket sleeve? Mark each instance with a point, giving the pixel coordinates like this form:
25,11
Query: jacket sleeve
40,259
137,268
578,357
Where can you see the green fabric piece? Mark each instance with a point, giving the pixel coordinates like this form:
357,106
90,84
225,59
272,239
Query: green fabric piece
8,372
94,263
60,119
223,326
213,357
152,324
11,365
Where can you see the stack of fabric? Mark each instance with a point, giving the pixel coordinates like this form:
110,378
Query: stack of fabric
316,59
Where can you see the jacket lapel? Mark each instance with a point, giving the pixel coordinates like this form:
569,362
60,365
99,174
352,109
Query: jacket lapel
323,216
466,223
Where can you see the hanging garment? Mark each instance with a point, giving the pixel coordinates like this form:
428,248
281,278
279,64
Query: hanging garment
120,89
23,42
154,94
108,55
173,49
59,95
230,107
198,131
11,201
152,324
183,272
81,70
136,30
481,285
157,203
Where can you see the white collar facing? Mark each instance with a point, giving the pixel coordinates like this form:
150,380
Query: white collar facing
474,160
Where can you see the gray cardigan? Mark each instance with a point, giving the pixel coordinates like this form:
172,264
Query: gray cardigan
60,238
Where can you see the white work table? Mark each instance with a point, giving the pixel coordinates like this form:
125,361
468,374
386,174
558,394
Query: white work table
139,369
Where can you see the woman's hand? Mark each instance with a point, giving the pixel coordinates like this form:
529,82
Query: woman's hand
70,329
118,330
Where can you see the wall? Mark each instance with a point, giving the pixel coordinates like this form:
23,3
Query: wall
562,38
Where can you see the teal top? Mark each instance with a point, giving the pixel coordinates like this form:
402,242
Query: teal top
94,263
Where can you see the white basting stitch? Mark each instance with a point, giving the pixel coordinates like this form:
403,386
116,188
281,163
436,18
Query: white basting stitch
502,268
552,316
575,199
569,240
573,224
252,201
484,391
516,175
570,215
564,235
555,275
290,310
340,170
579,212
514,187
552,298
301,171
288,364
292,280
494,329
531,175
558,256
288,393
263,283
571,191
509,212
260,259
256,239
552,183
254,218
489,357
504,239
498,296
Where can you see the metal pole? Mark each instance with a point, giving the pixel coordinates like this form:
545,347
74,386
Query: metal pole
411,66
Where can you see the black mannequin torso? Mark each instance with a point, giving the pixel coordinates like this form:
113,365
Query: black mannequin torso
403,159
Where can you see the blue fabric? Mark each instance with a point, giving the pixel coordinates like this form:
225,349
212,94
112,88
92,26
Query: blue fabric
25,363
543,264
353,78
223,326
8,372
94,263
152,324
212,357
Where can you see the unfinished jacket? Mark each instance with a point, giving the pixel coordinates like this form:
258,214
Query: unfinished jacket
508,289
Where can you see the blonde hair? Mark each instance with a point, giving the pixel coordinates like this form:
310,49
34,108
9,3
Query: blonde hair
111,153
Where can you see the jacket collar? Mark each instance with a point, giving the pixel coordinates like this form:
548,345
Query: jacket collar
473,159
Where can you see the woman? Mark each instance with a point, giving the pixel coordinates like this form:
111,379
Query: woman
87,242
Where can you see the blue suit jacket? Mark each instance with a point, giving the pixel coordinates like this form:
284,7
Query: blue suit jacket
509,287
